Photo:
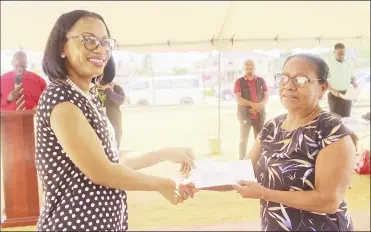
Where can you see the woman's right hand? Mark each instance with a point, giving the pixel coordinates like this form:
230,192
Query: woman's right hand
170,192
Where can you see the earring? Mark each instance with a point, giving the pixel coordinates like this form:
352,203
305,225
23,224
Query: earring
63,56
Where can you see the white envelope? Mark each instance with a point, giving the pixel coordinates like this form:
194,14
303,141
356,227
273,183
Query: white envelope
209,173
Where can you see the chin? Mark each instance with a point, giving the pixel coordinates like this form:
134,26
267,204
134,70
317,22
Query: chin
289,104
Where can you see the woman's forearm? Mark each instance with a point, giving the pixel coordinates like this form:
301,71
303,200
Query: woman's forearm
312,201
145,160
122,177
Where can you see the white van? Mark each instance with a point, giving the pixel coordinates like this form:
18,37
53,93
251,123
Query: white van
170,90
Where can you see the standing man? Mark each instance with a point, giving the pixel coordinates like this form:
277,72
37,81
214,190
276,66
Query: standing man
252,96
20,89
341,76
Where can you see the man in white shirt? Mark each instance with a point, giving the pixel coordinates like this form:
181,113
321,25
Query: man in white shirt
341,76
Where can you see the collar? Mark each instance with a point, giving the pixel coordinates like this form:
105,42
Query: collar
245,78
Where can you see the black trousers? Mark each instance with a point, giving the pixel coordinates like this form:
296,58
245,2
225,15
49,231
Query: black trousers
118,134
338,105
245,127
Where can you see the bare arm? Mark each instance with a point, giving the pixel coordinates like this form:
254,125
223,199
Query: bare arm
265,98
73,131
331,180
243,102
141,161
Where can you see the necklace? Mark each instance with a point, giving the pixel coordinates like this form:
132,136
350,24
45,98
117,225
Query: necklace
304,120
89,98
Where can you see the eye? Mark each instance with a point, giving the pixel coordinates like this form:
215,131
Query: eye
90,40
301,80
109,43
281,78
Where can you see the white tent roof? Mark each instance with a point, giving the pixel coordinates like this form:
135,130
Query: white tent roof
189,26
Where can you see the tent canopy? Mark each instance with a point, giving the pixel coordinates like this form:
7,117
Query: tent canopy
190,26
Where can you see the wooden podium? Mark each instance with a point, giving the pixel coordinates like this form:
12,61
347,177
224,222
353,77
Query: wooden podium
19,169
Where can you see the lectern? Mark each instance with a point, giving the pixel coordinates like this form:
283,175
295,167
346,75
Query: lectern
19,169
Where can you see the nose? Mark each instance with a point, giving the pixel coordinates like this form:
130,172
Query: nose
100,49
290,85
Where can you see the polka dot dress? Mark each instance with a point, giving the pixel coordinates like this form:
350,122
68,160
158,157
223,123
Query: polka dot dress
72,201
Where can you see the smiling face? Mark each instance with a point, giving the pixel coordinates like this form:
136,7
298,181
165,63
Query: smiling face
293,97
81,61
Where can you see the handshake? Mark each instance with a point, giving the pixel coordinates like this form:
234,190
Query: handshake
209,175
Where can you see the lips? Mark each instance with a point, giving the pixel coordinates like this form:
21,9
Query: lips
97,61
289,96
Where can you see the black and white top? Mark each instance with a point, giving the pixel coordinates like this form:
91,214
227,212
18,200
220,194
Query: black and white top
72,201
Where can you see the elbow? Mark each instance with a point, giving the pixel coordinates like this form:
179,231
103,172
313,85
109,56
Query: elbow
331,205
101,176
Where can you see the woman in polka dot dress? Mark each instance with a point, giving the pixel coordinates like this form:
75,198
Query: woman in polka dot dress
76,154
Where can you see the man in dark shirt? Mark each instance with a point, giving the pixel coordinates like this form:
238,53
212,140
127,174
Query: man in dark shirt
252,96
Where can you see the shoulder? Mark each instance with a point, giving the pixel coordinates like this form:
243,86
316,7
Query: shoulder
238,79
118,88
260,79
56,92
331,128
33,75
237,82
276,120
327,118
271,126
7,75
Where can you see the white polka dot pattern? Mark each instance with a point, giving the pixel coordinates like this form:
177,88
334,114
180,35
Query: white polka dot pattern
72,201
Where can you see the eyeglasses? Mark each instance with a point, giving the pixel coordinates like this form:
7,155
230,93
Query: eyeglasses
91,42
299,81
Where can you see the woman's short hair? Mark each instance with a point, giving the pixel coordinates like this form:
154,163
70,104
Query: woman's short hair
53,64
109,72
322,67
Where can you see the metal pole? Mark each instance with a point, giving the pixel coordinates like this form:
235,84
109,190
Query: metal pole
219,91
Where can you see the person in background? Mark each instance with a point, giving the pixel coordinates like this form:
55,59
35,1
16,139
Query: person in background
342,75
111,96
20,89
252,96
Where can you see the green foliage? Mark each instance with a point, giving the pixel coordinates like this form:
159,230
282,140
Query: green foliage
180,71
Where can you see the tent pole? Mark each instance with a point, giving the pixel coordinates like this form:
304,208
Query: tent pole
219,92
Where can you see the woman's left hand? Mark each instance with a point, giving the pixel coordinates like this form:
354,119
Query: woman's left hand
249,189
182,155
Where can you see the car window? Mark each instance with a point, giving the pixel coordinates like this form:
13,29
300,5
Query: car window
162,84
140,85
185,83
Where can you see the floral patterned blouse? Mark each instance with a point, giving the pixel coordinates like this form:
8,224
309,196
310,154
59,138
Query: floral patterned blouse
287,163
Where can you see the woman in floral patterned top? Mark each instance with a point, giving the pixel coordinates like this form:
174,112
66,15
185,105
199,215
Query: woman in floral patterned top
303,160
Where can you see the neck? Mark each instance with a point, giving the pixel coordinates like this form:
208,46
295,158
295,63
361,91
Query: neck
249,76
82,83
296,117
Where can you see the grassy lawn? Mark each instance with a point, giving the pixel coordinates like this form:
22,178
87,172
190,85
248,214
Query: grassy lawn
147,128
